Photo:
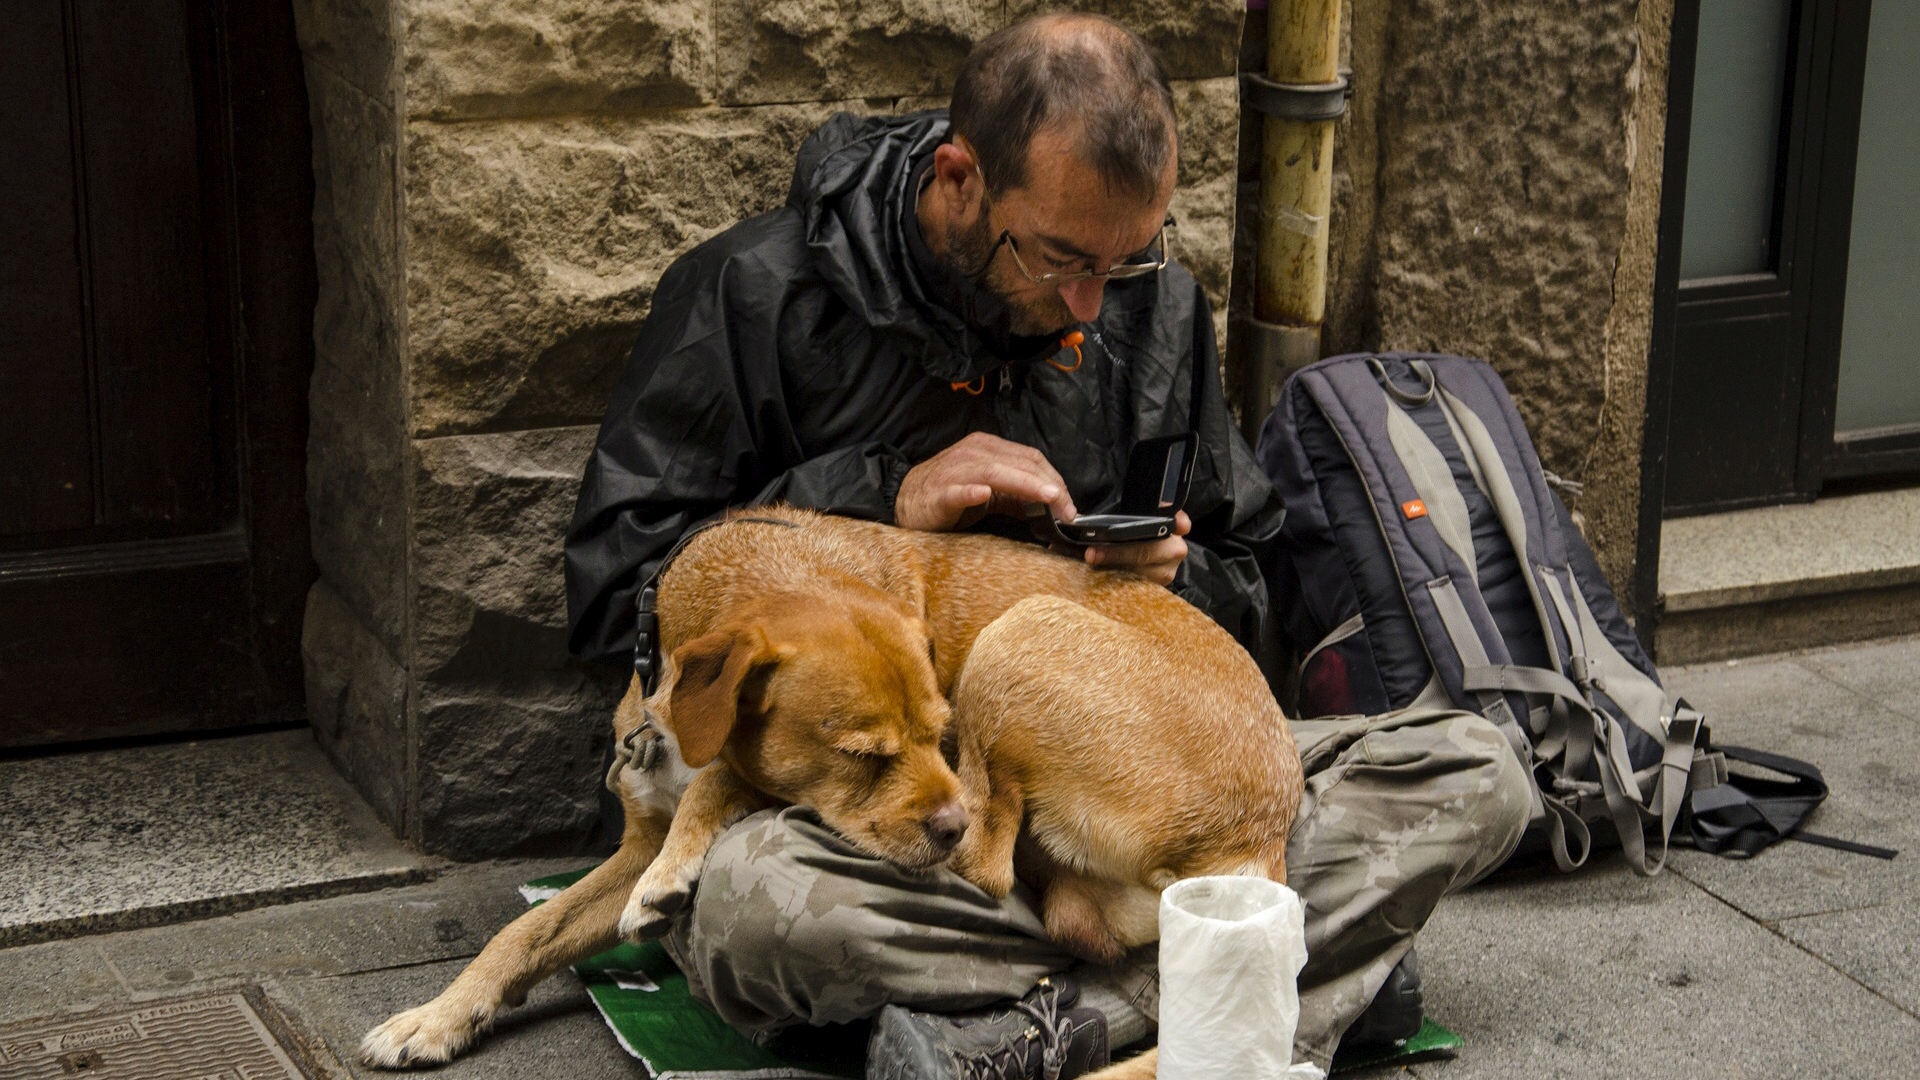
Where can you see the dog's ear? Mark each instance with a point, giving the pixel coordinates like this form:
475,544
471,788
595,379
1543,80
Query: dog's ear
706,692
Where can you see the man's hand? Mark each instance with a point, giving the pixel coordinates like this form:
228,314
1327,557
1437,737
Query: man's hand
1155,560
979,475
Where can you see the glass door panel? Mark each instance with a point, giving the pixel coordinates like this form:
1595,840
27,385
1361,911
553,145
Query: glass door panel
1733,157
1880,339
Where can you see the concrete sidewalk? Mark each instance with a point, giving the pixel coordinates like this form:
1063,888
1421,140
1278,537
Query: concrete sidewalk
1802,962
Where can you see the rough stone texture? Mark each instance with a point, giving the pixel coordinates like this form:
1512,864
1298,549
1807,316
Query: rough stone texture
534,246
1496,195
1352,322
493,58
1611,506
352,39
498,705
513,771
1208,113
355,484
821,50
357,702
1195,40
1504,209
489,515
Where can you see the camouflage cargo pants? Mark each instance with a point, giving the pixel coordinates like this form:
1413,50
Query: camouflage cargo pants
791,924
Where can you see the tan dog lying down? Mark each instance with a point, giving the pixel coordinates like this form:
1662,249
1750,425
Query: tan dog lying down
811,662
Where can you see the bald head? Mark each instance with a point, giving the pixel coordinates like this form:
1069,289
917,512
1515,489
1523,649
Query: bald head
1086,76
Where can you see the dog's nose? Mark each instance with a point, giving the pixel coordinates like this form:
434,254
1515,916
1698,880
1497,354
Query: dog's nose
947,825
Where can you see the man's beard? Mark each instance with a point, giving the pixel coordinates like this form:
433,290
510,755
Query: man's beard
971,253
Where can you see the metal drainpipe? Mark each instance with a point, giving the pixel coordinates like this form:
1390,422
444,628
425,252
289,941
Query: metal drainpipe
1302,96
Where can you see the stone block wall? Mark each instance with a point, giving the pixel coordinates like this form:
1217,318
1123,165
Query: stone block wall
499,185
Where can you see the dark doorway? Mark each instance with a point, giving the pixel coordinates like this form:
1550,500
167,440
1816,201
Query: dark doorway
156,299
1796,297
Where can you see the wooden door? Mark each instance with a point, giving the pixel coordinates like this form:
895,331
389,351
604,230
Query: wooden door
156,290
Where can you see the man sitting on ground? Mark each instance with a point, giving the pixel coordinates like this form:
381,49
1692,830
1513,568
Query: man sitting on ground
892,344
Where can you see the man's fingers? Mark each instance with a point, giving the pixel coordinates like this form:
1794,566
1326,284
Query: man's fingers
1171,550
992,453
978,475
958,497
1158,560
1015,486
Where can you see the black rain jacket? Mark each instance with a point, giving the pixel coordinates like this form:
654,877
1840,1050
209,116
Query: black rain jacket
798,357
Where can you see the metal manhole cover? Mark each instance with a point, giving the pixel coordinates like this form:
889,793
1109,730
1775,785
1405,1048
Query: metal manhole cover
218,1036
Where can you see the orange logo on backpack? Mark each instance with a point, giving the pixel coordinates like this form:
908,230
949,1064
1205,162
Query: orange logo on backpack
1413,508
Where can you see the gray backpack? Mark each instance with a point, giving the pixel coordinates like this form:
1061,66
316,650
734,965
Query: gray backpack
1426,561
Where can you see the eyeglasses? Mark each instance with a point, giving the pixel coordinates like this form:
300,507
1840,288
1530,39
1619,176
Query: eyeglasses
1150,262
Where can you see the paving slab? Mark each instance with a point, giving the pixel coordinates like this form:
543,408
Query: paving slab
448,919
1880,946
557,1033
336,966
117,839
54,977
1600,974
1866,752
1886,671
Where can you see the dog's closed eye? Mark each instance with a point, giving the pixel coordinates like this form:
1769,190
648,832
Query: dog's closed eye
867,747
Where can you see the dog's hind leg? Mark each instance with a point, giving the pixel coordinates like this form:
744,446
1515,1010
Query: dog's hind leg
580,922
1096,919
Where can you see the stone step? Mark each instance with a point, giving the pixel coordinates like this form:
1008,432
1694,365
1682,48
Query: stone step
146,835
1789,577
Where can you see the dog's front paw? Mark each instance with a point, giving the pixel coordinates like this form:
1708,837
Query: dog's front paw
656,899
433,1034
983,866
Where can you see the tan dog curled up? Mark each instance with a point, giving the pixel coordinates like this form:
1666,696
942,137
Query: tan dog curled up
1112,737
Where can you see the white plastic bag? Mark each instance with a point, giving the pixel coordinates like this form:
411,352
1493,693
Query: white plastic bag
1231,949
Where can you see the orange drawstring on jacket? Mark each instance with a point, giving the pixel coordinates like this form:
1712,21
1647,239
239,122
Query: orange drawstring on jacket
978,385
1071,341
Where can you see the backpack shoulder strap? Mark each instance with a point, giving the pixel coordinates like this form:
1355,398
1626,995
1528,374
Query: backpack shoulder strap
1596,688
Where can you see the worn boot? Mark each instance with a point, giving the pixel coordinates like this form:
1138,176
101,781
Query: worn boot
1394,1015
1039,1037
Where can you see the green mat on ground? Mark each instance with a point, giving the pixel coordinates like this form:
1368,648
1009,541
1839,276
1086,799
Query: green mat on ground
644,998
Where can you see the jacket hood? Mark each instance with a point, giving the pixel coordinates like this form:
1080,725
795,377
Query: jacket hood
853,186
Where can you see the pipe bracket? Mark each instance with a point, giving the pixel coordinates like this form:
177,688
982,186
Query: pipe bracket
1295,101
